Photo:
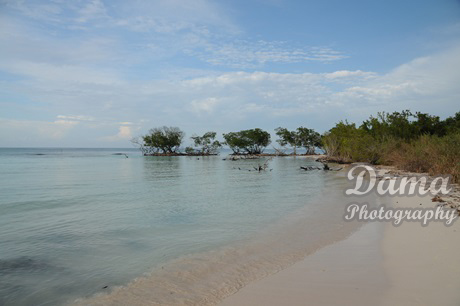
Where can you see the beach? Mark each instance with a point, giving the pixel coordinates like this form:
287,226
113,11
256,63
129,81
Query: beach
363,263
198,153
93,227
380,264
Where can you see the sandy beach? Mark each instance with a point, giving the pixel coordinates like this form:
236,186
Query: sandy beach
380,264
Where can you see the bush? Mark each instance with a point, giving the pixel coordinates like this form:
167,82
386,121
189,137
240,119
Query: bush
415,142
429,154
165,139
347,143
248,141
207,144
302,137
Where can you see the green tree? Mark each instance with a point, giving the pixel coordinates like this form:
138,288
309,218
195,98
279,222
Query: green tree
302,137
346,142
190,150
235,142
386,138
164,139
398,125
252,141
308,138
452,124
426,124
287,137
207,144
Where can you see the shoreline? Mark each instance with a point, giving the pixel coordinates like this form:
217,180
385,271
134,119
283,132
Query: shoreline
236,156
408,265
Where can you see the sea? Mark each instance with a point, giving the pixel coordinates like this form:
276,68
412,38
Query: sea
108,226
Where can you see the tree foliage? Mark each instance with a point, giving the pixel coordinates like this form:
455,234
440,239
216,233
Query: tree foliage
309,139
207,144
252,141
374,137
407,126
163,139
452,124
302,137
287,137
348,143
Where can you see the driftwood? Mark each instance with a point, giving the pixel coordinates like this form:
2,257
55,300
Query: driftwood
243,156
325,168
308,168
259,167
264,166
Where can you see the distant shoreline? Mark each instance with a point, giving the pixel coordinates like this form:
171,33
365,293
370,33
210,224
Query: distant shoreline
241,156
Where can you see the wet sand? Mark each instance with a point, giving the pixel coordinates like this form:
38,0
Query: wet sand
349,272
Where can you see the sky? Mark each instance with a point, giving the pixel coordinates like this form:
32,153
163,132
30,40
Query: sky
94,73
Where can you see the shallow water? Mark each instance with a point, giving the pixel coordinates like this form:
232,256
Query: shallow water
77,222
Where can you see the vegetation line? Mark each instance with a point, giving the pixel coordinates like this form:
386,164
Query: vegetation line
413,142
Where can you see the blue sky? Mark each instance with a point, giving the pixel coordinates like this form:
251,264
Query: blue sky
95,73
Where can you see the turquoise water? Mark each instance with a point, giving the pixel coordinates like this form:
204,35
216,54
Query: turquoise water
73,221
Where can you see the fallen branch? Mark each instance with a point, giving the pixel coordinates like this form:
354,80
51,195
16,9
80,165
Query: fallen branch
325,168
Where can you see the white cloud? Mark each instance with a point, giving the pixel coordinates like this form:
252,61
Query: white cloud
162,29
346,74
32,132
247,54
87,78
207,105
171,16
93,9
162,16
63,131
76,118
124,133
46,72
428,83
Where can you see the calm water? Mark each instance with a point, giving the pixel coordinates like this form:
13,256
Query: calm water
73,221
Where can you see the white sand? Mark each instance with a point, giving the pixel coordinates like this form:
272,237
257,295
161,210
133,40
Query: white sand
411,265
422,263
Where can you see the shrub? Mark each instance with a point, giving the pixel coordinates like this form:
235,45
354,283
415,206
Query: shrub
429,154
207,144
248,141
165,139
